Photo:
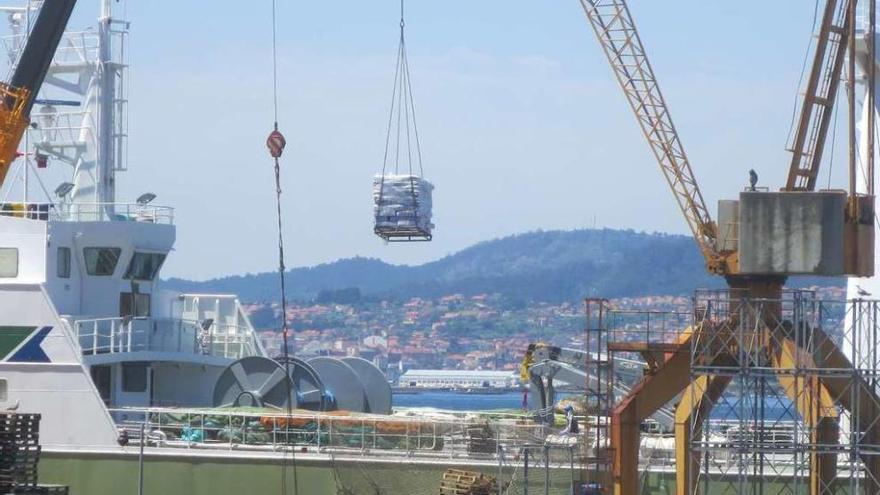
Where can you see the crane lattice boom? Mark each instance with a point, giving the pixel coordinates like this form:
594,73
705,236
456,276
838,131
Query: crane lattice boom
614,27
819,96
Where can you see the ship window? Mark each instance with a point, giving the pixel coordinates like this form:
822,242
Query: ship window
3,390
144,266
134,377
101,262
136,305
63,262
8,262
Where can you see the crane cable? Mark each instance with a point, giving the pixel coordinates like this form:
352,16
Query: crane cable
276,143
402,102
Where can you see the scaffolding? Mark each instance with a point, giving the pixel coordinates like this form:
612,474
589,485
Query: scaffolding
795,403
599,387
782,396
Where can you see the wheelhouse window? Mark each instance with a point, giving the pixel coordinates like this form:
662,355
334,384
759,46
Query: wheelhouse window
64,262
144,266
8,262
134,377
101,261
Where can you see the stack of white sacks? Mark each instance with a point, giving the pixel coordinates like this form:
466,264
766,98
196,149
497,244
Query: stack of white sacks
395,207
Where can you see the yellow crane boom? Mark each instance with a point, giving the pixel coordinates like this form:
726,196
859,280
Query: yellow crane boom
819,96
616,31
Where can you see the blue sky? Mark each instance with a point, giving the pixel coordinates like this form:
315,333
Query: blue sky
522,124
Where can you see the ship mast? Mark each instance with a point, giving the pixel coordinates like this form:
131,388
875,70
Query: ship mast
105,190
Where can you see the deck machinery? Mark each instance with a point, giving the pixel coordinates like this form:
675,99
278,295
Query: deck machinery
760,240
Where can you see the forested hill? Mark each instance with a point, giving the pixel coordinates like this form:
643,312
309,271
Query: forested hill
539,266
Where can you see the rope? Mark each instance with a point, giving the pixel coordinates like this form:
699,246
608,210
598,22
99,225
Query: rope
276,144
404,126
274,67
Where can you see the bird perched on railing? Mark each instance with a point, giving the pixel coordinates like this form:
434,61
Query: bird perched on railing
753,179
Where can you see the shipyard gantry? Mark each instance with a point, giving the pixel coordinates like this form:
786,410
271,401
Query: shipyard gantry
773,390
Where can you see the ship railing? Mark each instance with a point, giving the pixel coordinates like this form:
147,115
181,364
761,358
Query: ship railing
116,212
76,47
126,335
436,437
90,212
220,307
58,130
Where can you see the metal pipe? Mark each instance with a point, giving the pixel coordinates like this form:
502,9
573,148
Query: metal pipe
546,470
851,98
872,76
141,459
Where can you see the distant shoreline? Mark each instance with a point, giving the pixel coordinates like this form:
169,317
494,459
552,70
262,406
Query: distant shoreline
463,391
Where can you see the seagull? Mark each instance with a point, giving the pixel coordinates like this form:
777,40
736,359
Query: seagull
862,292
14,407
753,178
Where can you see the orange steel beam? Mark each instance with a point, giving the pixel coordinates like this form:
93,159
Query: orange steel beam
816,407
643,400
865,410
696,403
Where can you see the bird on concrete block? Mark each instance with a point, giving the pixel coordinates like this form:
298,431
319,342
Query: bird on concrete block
14,407
753,179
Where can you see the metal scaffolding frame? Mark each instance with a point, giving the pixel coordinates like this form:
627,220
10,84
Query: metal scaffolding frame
780,396
599,389
790,390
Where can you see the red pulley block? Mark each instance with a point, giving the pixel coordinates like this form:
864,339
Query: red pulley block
276,144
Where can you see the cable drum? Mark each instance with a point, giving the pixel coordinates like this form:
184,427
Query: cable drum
309,392
402,198
253,382
342,384
376,386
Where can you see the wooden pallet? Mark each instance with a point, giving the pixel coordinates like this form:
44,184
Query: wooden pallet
459,482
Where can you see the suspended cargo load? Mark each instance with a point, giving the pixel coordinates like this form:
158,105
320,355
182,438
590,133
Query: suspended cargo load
402,208
401,196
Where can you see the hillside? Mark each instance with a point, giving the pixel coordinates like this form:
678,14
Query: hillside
538,266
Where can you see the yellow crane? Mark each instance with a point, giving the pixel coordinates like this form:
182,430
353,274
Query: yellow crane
744,251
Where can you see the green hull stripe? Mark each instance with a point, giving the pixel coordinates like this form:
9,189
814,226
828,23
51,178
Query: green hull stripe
12,337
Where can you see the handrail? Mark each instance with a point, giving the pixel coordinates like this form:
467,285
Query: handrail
460,436
90,212
122,335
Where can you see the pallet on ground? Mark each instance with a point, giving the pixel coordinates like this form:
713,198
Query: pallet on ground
460,482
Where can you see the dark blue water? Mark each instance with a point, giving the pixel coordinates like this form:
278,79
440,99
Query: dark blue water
460,402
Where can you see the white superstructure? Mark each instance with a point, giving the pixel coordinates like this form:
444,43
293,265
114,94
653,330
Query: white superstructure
84,324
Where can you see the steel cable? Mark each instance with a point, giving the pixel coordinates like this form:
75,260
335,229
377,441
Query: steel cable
276,145
402,103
